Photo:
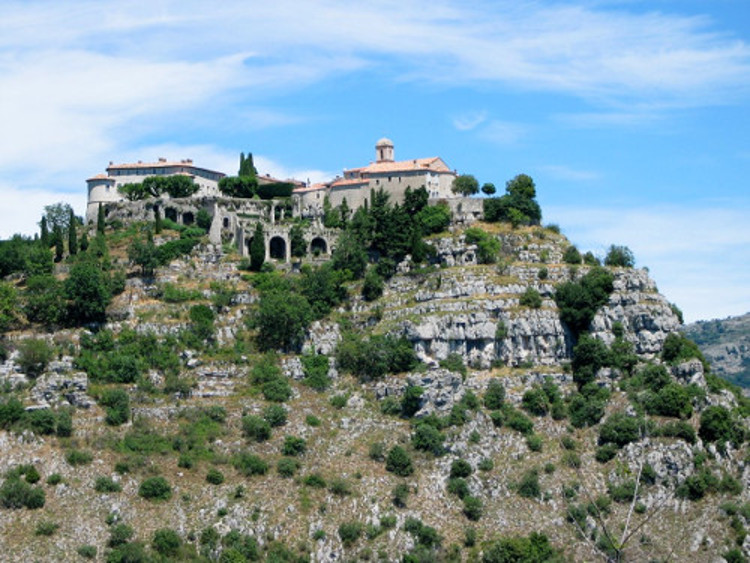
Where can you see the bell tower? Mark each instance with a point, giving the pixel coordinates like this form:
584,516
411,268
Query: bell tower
384,150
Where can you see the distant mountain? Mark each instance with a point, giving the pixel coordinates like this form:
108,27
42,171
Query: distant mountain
726,345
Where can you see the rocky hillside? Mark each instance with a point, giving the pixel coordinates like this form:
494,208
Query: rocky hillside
464,414
726,345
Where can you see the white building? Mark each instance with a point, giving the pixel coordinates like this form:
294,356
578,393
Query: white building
103,188
357,184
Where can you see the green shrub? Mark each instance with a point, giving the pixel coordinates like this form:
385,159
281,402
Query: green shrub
460,468
277,390
398,461
87,551
620,429
249,464
589,356
488,246
472,508
316,371
117,406
411,402
255,428
293,446
54,479
572,255
79,457
529,486
486,464
620,256
494,396
425,536
585,410
535,401
155,488
454,362
214,476
373,286
678,348
338,401
120,534
350,532
376,451
516,420
458,486
33,356
624,492
287,467
340,487
106,485
15,493
534,442
314,480
718,425
46,528
531,298
605,452
166,542
671,400
275,415
428,438
579,301
400,494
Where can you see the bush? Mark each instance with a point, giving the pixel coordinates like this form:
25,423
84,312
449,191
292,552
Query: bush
531,298
349,532
605,453
120,534
585,410
589,355
516,420
572,255
372,287
15,493
529,486
79,457
454,362
494,397
34,355
87,551
293,446
54,479
488,246
287,467
620,256
155,488
106,485
46,528
340,487
316,367
624,492
472,508
166,542
460,468
535,401
671,400
428,438
534,442
275,415
620,429
277,390
718,425
249,464
411,402
117,406
679,429
214,476
372,358
398,461
399,495
579,301
425,536
458,486
314,480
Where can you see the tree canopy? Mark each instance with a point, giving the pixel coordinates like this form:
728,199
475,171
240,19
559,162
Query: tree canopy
466,185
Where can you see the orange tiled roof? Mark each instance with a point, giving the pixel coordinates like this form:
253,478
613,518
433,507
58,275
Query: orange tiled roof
100,177
433,164
313,188
349,182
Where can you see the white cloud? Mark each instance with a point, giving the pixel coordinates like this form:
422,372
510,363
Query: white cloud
22,209
503,132
700,258
469,120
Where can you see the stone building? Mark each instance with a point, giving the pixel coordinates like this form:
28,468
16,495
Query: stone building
357,184
103,188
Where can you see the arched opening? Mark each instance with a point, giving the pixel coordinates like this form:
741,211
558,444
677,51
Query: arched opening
171,214
277,248
318,246
188,218
225,222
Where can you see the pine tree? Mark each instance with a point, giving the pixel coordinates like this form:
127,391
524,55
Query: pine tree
257,249
100,220
44,238
72,235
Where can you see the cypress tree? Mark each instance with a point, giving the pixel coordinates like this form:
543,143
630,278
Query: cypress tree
257,249
57,238
157,220
84,241
247,168
45,233
100,220
72,235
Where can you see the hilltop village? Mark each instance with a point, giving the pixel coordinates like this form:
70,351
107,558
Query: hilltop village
234,219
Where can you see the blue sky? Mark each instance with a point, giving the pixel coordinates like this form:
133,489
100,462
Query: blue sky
631,116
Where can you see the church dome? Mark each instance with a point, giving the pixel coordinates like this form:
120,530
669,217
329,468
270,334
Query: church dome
384,142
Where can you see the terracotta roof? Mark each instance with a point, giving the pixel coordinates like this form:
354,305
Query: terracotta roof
433,164
350,182
313,188
100,177
161,164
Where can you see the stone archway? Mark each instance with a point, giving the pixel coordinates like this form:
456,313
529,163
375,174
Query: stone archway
188,218
318,246
171,214
277,248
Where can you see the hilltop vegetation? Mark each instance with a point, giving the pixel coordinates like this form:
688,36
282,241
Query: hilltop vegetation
430,391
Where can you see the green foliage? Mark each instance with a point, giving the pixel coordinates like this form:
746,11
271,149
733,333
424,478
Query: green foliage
106,485
214,476
589,355
494,396
518,206
717,424
120,534
428,438
624,492
488,246
287,467
372,288
322,287
87,551
254,427
605,452
294,446
315,367
281,320
620,429
671,400
155,488
15,493
528,486
571,255
697,485
88,292
530,298
275,415
249,464
678,429
424,535
400,494
257,249
372,358
678,348
587,409
460,468
465,184
166,542
350,532
117,406
46,528
411,402
34,355
579,301
275,190
620,256
473,508
398,462
349,256
144,255
277,390
79,457
535,401
314,480
44,301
